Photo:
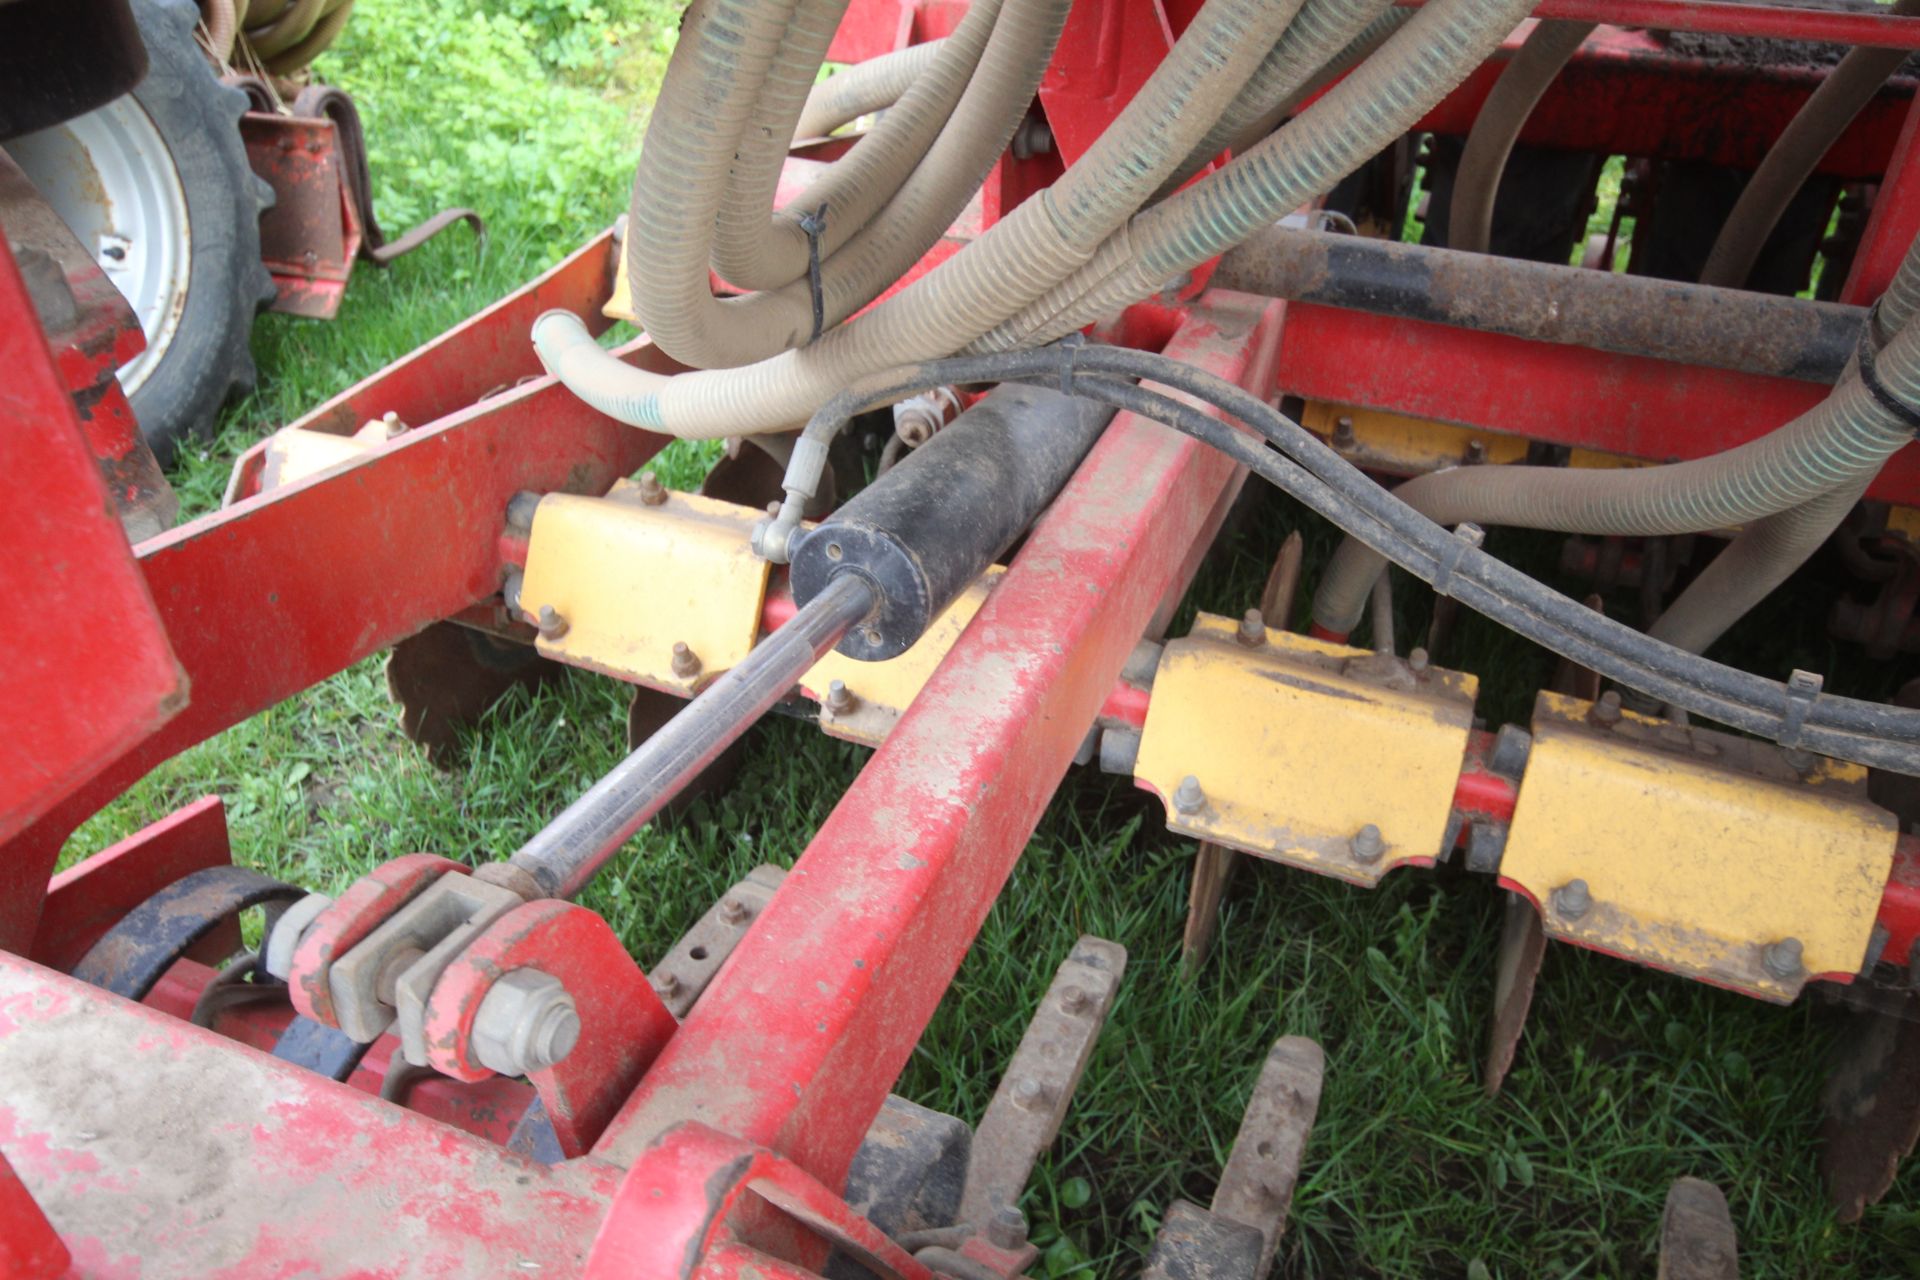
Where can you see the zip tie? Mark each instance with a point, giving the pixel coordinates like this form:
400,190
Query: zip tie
1879,390
814,224
1070,344
1803,690
1465,538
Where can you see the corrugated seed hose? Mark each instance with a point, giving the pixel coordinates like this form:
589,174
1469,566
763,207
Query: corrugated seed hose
1837,446
870,86
1847,89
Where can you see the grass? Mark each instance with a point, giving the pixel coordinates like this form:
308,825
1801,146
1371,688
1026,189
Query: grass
1626,1080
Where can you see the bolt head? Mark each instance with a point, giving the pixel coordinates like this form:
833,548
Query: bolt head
1188,798
1418,661
1783,959
1368,844
526,1022
1075,1000
1572,899
840,699
732,910
1606,712
652,492
1343,438
1253,629
552,624
1007,1228
686,663
1029,1094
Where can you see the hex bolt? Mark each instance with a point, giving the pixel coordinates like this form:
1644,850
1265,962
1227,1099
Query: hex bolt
840,699
1029,1094
526,1022
652,492
667,984
1075,1000
1367,845
553,624
1572,899
686,663
1188,797
1476,452
732,910
1007,1228
1782,959
1253,629
1343,437
1418,660
1606,712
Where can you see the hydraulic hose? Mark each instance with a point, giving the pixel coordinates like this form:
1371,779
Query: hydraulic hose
1359,116
1043,240
1848,88
1868,733
864,88
1548,48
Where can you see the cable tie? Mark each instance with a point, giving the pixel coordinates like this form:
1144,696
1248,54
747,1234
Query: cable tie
1465,538
1803,690
814,224
1879,390
1071,344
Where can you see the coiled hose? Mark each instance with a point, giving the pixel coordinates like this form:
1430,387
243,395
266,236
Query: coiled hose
1041,241
870,86
278,36
1840,443
1868,733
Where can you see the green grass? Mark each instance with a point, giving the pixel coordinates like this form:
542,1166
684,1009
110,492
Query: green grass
1626,1080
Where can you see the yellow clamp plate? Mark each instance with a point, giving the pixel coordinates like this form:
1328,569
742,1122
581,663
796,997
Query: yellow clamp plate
882,691
1298,744
1699,850
632,580
1411,446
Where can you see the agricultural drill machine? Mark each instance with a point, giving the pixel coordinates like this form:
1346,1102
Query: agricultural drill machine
997,323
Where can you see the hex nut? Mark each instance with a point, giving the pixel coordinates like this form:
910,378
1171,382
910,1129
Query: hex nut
1075,1000
1007,1228
652,492
1572,899
840,699
1511,748
732,910
1367,844
1188,798
1606,712
277,954
553,624
1783,959
1253,629
526,1022
686,663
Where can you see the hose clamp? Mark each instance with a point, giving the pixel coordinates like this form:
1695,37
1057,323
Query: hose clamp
1467,537
1882,394
1803,690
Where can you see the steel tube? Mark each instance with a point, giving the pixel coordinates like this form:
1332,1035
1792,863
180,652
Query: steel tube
565,855
1631,315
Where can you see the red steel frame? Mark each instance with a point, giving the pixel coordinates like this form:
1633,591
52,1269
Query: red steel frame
766,1088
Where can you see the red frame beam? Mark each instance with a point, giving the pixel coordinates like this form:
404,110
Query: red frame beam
880,909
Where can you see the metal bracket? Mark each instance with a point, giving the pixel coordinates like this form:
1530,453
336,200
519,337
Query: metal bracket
872,696
1256,1187
645,585
1697,852
1332,759
684,972
1032,1099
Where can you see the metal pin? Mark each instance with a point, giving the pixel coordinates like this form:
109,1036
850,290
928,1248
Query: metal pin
552,624
652,492
1253,629
686,663
840,699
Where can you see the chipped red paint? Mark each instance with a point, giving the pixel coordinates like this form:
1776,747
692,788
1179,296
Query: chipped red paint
798,1039
29,1248
311,233
1900,906
623,1024
1480,792
699,1201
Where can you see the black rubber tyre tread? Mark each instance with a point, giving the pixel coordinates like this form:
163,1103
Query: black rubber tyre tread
210,360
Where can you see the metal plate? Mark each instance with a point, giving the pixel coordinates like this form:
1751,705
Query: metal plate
632,580
882,691
1299,744
1698,849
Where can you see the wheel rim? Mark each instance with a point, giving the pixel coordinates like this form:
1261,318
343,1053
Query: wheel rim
112,180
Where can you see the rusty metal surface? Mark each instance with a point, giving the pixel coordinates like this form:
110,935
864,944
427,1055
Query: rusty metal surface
1025,1114
1872,1107
684,972
309,237
1193,1244
133,955
1697,1239
1523,946
1632,315
1256,1187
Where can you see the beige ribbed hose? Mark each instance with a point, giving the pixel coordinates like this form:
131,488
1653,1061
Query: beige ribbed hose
1041,241
279,37
1839,444
870,86
1357,50
1357,118
1548,48
1848,88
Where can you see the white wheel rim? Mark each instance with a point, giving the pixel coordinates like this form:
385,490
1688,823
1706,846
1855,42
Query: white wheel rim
110,177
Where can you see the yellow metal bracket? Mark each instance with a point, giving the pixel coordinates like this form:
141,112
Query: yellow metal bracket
628,581
1332,759
1696,852
876,694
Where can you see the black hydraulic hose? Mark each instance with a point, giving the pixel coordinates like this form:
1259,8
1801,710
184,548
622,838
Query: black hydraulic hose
1793,716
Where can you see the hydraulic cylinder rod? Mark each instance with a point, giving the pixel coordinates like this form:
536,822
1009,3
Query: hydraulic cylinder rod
566,853
888,563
